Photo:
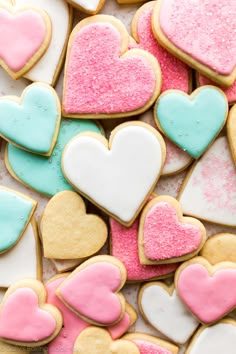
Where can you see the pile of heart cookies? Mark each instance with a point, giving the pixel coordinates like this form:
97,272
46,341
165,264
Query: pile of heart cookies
118,177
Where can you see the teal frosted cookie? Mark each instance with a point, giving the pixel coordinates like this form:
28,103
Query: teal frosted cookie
41,173
32,121
192,122
16,210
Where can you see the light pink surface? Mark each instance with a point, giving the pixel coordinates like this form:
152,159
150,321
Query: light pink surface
164,237
205,30
24,34
208,297
118,329
91,292
125,247
230,92
146,347
22,320
73,325
175,74
98,80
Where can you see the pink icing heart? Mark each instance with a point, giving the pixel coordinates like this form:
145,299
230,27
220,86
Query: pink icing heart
91,292
165,237
124,242
208,297
22,320
24,34
146,347
98,80
205,30
175,74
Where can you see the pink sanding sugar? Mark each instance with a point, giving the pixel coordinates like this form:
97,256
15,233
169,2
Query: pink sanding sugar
230,91
98,80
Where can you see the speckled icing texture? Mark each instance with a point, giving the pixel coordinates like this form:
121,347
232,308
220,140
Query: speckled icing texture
146,347
164,237
98,81
203,29
41,173
229,92
124,242
209,297
210,192
175,74
217,339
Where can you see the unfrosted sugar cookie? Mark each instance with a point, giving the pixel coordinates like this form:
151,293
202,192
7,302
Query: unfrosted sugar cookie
103,79
220,248
90,7
32,121
219,338
201,33
67,231
134,149
25,317
192,122
175,74
48,67
92,290
165,235
209,189
162,308
27,34
209,292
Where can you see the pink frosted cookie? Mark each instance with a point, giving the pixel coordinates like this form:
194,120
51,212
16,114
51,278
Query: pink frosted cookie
103,79
92,290
123,237
230,92
201,33
165,236
27,35
176,159
151,345
25,317
175,74
208,291
209,189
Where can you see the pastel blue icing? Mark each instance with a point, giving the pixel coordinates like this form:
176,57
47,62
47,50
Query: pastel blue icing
32,123
192,123
41,173
14,215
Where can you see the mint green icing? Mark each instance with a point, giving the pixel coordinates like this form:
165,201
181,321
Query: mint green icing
42,173
15,211
192,123
32,123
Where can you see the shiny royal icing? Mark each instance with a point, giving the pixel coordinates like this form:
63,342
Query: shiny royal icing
146,347
88,5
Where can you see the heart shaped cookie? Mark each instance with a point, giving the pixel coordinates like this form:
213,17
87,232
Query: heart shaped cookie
32,121
219,338
128,165
41,173
192,122
209,189
90,7
17,266
231,132
25,319
8,348
27,28
206,41
165,236
67,231
175,74
103,79
150,344
98,341
92,290
48,67
161,306
208,291
16,210
220,248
